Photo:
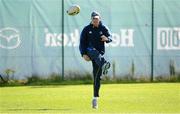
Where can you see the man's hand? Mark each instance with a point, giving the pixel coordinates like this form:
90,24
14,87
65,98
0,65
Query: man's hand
104,38
86,58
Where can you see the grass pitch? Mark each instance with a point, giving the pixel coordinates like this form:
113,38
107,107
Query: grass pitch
114,98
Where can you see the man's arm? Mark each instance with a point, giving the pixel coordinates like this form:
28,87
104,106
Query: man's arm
107,36
83,42
83,45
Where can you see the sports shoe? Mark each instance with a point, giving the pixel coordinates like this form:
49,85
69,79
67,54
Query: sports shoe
105,68
94,104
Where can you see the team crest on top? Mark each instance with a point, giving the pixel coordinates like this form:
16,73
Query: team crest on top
100,33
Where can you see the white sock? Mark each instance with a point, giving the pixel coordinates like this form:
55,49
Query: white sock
95,98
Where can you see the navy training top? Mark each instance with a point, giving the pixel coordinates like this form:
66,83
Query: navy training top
91,38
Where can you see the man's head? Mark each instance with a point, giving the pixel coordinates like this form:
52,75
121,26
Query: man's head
95,18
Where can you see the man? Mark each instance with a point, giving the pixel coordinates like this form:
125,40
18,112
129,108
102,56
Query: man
92,41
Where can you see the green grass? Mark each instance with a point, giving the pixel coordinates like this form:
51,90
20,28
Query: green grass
115,98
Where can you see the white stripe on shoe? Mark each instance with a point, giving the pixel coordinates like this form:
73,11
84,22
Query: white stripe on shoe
105,68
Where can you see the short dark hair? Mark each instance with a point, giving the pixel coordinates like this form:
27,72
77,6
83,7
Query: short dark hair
94,13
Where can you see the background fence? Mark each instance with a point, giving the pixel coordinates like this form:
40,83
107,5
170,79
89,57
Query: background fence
146,36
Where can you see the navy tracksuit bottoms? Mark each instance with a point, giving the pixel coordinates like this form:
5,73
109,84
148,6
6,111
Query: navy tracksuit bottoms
97,62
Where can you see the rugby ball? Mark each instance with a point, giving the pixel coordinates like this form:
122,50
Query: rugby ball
73,10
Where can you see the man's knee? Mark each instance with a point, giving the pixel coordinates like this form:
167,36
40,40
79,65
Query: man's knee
93,53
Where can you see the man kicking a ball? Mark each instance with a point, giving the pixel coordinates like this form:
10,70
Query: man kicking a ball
92,41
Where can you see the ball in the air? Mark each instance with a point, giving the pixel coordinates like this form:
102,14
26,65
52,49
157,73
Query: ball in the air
73,10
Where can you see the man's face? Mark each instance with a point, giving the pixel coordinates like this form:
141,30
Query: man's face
95,21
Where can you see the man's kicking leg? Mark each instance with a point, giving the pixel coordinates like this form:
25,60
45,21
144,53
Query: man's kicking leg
99,60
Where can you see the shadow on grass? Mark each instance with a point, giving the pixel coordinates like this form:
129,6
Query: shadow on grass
76,82
49,86
60,83
39,109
